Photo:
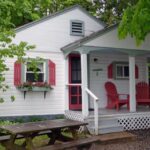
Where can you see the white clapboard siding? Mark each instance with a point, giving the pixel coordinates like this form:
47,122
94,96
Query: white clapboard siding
34,103
110,39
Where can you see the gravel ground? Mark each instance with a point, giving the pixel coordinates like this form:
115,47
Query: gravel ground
142,142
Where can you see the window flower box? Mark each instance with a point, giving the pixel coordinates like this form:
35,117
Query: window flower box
35,87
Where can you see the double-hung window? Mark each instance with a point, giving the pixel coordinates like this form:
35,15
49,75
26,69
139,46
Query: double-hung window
122,71
39,76
43,72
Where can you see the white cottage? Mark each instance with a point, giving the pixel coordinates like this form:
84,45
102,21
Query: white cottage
78,53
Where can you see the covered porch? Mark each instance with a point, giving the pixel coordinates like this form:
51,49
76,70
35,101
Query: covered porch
97,52
110,120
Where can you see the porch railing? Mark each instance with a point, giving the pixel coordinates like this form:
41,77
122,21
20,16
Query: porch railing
95,98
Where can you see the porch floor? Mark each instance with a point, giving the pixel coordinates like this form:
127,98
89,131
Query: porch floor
122,111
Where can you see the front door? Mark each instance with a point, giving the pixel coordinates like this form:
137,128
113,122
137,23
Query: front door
75,98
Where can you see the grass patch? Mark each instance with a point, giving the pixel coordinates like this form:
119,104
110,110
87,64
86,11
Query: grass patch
38,141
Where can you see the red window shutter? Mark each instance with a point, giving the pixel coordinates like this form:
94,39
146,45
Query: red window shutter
17,73
110,71
136,72
52,74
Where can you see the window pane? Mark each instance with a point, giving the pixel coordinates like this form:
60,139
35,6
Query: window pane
119,71
30,77
80,100
74,76
80,90
38,69
74,100
79,76
79,64
73,90
74,65
40,77
126,71
75,70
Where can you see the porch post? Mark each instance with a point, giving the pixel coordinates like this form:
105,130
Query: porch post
132,83
84,78
66,82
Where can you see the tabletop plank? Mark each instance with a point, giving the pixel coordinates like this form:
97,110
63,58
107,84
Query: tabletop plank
41,126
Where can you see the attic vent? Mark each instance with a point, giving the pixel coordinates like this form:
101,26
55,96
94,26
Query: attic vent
77,28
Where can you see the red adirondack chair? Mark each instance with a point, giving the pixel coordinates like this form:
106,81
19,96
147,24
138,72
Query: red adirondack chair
115,100
142,93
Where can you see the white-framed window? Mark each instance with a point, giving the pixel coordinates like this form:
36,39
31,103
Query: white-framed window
45,72
40,72
77,27
122,71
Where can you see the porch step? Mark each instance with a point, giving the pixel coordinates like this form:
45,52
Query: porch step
104,121
107,124
115,137
106,129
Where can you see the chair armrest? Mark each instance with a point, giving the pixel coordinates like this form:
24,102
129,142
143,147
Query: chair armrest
112,95
124,95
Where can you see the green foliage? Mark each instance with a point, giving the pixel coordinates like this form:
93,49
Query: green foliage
32,65
12,98
19,120
7,122
7,48
18,12
60,117
46,7
4,123
136,21
1,100
36,118
110,11
24,12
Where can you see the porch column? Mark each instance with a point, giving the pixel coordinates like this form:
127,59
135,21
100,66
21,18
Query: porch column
84,78
132,83
66,82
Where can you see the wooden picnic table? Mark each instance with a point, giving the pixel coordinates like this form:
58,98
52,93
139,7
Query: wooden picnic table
53,128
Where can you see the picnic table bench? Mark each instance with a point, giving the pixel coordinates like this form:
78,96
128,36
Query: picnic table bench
52,128
79,144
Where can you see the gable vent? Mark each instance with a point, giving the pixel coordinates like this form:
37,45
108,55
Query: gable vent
77,28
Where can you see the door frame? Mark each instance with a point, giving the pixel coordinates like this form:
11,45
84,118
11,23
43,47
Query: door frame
78,86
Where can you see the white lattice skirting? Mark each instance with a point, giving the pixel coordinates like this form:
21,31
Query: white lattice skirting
135,122
74,115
